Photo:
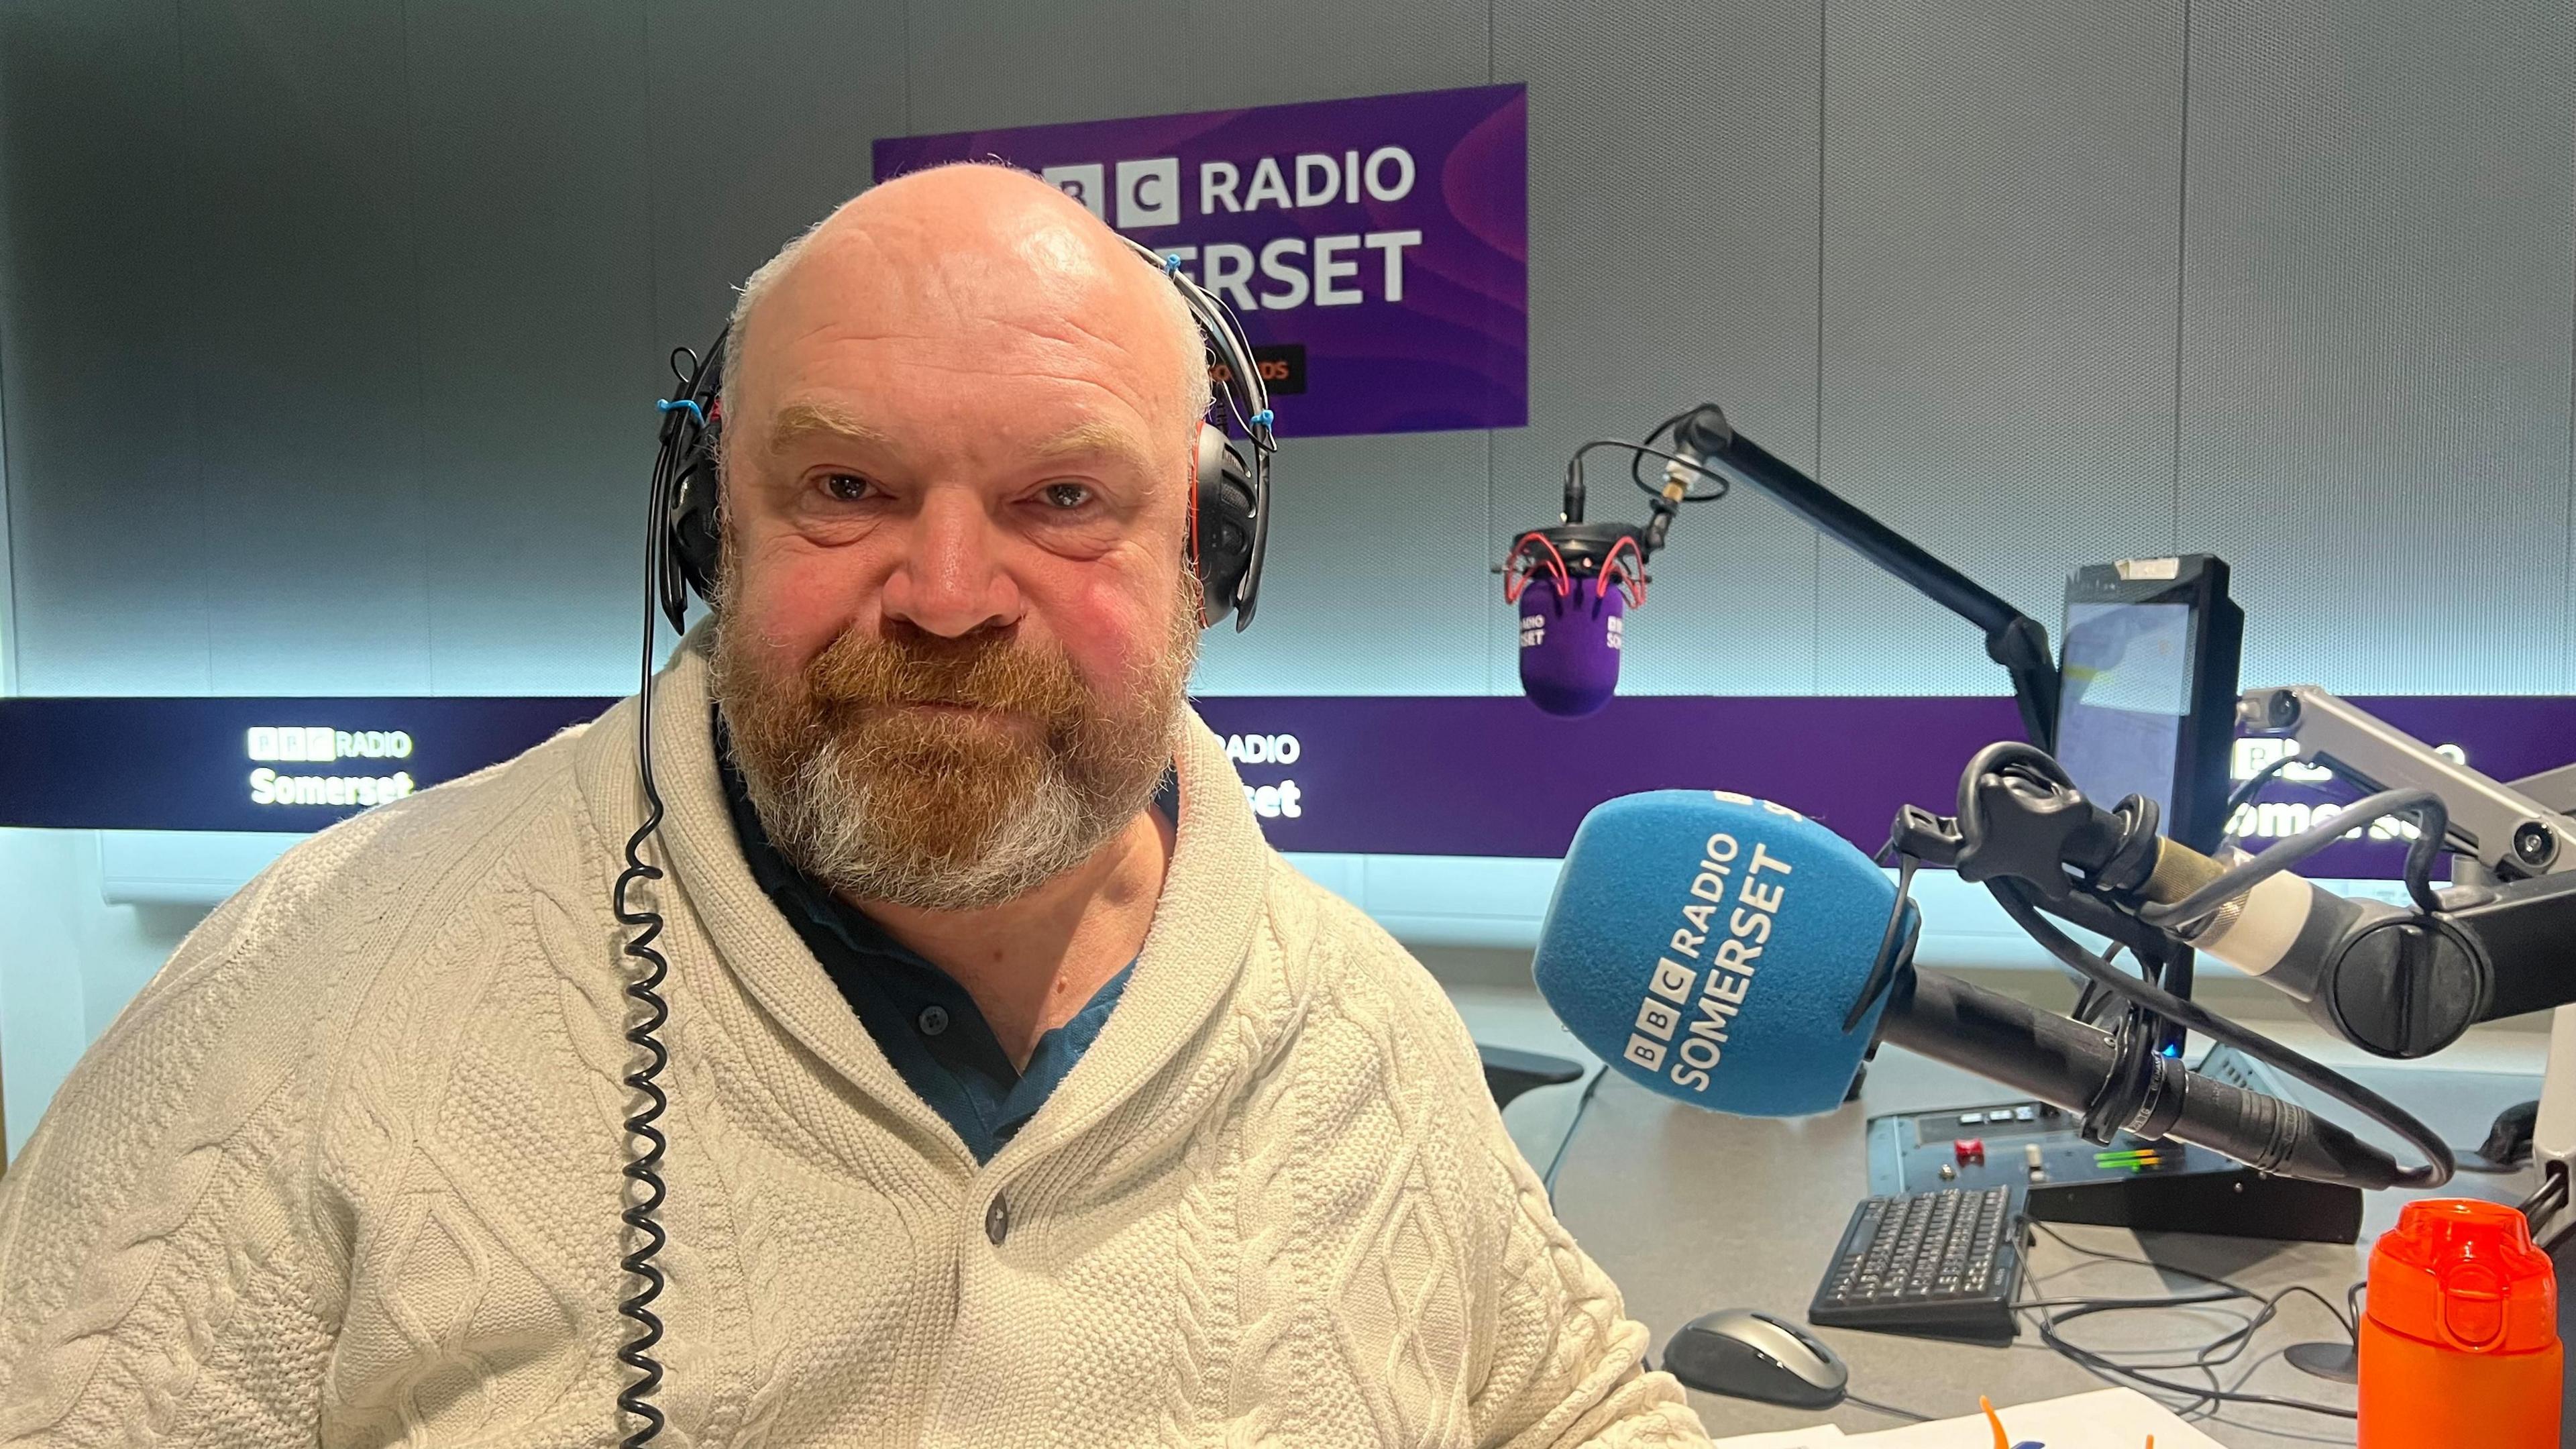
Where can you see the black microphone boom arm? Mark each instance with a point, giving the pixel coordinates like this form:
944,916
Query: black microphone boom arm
2014,640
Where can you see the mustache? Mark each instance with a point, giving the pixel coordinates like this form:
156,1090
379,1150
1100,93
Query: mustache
900,663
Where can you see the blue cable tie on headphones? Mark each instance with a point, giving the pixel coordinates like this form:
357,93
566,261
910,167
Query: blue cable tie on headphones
664,405
1260,419
1171,263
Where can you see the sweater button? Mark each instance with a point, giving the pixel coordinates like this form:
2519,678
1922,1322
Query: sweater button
997,1220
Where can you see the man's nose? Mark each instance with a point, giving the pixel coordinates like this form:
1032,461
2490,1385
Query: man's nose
950,581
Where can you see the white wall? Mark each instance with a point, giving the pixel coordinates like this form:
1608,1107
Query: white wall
68,962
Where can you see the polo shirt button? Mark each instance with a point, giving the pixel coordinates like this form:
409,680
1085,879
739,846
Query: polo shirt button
997,1220
934,1020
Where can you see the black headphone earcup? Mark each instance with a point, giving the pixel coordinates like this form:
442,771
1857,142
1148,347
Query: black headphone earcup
690,549
1221,524
693,537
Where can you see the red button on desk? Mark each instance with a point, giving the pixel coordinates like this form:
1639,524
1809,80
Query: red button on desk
1970,1149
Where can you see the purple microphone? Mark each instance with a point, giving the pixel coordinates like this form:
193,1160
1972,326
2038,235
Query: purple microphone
1570,642
1571,585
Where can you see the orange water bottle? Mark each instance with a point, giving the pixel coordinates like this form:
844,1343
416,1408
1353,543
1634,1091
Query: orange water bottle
2459,1345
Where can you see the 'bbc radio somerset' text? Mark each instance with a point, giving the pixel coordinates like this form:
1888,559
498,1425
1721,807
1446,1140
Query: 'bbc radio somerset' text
321,744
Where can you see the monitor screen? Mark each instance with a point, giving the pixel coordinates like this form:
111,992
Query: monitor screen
2127,688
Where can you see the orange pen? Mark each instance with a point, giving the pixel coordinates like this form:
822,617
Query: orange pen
2004,1440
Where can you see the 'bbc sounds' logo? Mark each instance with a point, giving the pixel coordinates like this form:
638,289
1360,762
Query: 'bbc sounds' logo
322,745
1282,365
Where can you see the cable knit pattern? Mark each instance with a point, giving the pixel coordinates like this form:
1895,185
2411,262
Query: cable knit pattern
346,1172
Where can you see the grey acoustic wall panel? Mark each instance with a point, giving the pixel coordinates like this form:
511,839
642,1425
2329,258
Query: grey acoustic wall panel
536,356
1346,609
759,122
977,64
1672,261
303,279
1377,547
2376,336
106,507
1249,55
2000,268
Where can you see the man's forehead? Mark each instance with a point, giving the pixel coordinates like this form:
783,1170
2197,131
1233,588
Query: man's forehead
808,421
899,276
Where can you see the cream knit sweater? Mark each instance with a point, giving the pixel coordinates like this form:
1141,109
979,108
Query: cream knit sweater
347,1172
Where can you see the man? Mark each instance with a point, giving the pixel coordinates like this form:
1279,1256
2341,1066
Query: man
1006,1106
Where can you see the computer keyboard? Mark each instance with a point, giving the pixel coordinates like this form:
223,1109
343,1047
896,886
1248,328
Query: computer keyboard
1940,1264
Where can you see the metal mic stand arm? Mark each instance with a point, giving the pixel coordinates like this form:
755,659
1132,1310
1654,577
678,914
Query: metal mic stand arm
2521,932
2013,639
2499,830
2501,827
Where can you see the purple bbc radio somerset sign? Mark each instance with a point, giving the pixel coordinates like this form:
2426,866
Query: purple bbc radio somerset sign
1376,250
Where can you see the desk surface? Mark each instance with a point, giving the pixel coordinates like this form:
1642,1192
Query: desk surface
1690,1211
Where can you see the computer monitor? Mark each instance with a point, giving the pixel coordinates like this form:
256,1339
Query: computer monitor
2147,692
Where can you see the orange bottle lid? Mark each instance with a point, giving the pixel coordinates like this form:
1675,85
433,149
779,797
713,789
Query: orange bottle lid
2464,1275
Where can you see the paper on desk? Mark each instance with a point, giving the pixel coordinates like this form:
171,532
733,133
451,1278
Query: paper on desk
2107,1419
1821,1434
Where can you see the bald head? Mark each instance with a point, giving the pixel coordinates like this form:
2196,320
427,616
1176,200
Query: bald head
972,248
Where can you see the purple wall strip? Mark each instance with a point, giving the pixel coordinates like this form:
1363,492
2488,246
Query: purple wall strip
1438,775
1493,776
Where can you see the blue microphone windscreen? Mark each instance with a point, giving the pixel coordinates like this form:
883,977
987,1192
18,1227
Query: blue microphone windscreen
1708,946
1570,643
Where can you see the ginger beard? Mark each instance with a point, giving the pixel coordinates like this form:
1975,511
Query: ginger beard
945,809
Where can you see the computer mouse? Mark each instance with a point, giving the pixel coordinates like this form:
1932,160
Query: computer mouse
1748,1355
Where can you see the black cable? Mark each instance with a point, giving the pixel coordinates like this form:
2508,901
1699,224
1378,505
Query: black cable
1888,1409
2014,896
2088,998
2545,1199
2243,795
643,1165
2103,1365
1574,469
2224,1349
1884,965
2227,1287
1547,1179
2433,822
1637,460
2470,1160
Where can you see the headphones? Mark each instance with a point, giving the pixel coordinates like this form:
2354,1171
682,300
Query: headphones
1229,512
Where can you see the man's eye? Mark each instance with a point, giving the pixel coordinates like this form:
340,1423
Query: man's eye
1068,495
845,487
